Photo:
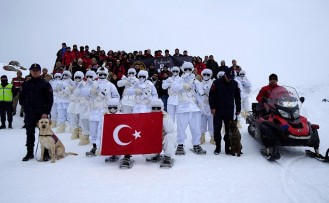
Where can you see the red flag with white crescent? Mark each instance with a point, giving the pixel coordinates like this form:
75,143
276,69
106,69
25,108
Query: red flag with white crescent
126,134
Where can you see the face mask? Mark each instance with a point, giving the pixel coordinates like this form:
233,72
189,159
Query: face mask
206,78
175,73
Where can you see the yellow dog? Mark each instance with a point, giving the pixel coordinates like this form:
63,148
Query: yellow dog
50,141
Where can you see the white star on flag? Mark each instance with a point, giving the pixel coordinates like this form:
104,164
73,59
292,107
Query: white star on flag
137,134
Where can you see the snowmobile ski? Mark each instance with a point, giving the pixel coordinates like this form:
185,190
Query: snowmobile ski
272,157
165,165
319,158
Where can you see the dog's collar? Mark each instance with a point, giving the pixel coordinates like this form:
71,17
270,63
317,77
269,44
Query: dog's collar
45,135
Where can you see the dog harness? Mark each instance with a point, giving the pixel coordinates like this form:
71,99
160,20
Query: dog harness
53,136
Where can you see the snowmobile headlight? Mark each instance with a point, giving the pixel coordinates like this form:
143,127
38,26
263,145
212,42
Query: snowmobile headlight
296,114
284,114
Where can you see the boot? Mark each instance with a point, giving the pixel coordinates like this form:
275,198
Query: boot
84,140
29,155
61,128
53,124
80,133
46,156
203,138
21,114
10,126
75,134
212,140
3,126
217,150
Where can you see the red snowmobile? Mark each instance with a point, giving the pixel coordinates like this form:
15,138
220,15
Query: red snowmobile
277,122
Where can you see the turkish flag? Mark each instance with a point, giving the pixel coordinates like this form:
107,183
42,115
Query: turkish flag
126,134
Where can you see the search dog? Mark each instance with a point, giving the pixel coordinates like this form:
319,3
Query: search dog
50,141
234,137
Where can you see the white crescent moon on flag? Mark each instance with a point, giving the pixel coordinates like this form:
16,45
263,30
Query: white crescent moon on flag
116,135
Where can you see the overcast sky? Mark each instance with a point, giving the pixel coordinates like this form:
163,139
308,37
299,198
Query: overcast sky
290,38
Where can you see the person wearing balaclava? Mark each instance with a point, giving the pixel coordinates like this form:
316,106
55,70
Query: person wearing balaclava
7,93
56,84
128,101
189,91
74,105
245,92
173,97
102,91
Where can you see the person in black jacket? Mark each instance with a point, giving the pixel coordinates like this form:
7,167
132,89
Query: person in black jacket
223,96
37,98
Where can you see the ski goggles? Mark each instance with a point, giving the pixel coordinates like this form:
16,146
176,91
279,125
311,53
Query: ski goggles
77,77
206,74
89,76
142,76
175,71
157,108
65,75
241,75
131,73
102,74
112,108
58,77
188,69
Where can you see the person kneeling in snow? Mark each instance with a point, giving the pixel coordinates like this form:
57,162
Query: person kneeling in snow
168,136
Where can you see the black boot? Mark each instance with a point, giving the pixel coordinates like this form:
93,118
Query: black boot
217,150
10,126
29,155
21,114
3,126
46,156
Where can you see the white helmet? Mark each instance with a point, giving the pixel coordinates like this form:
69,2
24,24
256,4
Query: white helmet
58,76
156,103
91,73
220,74
131,71
175,70
78,76
66,74
113,105
143,73
206,74
242,73
187,65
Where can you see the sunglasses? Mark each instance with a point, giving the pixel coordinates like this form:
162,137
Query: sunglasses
188,69
156,108
142,76
89,76
77,77
175,71
241,75
65,75
112,107
58,77
206,74
102,74
131,73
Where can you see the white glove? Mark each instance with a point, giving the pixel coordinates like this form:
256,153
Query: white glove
186,86
138,91
71,88
93,91
58,88
170,80
244,83
124,77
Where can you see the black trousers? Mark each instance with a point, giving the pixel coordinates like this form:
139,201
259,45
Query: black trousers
6,108
31,121
218,124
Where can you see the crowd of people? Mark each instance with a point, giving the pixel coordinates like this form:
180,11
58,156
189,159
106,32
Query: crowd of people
86,85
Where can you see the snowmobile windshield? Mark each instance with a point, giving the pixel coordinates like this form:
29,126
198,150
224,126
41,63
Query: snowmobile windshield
283,96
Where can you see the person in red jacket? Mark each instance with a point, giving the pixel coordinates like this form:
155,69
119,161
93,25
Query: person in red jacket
265,92
67,59
199,66
17,83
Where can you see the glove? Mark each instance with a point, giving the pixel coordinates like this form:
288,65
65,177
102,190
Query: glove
186,86
138,91
58,88
124,77
94,91
244,83
71,88
169,80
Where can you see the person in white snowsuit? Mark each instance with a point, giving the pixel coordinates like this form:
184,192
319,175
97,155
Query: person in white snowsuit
220,74
56,84
173,96
113,107
85,104
168,136
63,101
207,118
190,91
128,101
144,91
74,106
245,93
102,91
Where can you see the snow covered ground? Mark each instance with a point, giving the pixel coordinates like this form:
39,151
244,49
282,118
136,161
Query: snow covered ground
209,178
